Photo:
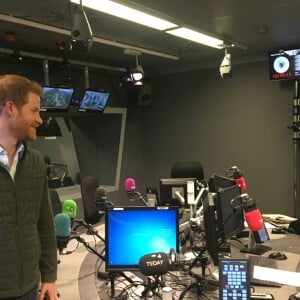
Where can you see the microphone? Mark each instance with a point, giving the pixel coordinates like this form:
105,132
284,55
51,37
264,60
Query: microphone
132,194
154,264
62,230
69,207
101,199
253,215
129,185
238,177
160,263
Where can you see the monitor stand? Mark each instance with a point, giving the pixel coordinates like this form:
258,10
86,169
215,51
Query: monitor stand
254,248
115,293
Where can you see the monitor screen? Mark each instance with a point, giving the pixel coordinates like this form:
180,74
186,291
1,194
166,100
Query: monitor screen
56,98
132,232
177,191
94,101
230,213
284,64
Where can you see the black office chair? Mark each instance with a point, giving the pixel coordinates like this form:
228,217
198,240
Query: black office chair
191,169
88,190
55,201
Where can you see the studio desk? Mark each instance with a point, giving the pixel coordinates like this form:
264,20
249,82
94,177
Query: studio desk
77,276
287,243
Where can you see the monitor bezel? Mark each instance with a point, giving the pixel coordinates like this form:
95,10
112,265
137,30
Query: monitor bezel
111,267
44,108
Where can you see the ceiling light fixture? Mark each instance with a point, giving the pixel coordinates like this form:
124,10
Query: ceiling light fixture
134,15
137,72
226,67
197,37
127,13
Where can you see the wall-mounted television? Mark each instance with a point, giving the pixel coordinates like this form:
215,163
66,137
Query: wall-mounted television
56,98
284,64
132,232
94,100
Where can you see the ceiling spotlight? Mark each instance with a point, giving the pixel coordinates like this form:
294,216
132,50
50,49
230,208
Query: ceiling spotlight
137,73
138,82
225,67
81,32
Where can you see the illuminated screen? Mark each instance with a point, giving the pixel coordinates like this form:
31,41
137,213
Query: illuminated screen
56,98
132,232
94,100
285,64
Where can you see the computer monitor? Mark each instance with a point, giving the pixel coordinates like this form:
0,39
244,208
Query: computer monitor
223,219
56,98
132,232
94,100
210,228
177,191
219,182
230,212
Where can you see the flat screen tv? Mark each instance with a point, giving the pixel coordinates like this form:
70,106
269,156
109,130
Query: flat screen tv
94,101
56,98
132,232
284,64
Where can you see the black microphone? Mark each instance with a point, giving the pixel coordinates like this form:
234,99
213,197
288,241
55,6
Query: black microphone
101,199
160,263
154,264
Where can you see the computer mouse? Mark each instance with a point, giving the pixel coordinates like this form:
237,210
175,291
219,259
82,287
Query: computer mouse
277,230
278,255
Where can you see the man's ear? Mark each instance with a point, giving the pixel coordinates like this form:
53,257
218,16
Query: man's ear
9,107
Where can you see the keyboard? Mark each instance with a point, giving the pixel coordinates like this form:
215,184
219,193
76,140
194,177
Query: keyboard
262,261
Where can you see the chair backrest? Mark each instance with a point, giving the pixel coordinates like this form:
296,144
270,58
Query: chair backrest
191,169
55,201
88,190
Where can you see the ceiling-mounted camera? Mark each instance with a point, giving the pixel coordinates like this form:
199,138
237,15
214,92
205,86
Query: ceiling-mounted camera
81,31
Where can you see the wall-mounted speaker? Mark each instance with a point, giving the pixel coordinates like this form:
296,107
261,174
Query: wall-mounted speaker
144,96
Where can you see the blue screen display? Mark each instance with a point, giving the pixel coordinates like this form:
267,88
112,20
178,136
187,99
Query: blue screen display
134,232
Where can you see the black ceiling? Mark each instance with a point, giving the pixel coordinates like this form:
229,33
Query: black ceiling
260,25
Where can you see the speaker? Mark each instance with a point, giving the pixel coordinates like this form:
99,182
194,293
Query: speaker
144,96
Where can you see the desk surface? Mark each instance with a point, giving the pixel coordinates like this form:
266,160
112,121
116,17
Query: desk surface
77,272
288,243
